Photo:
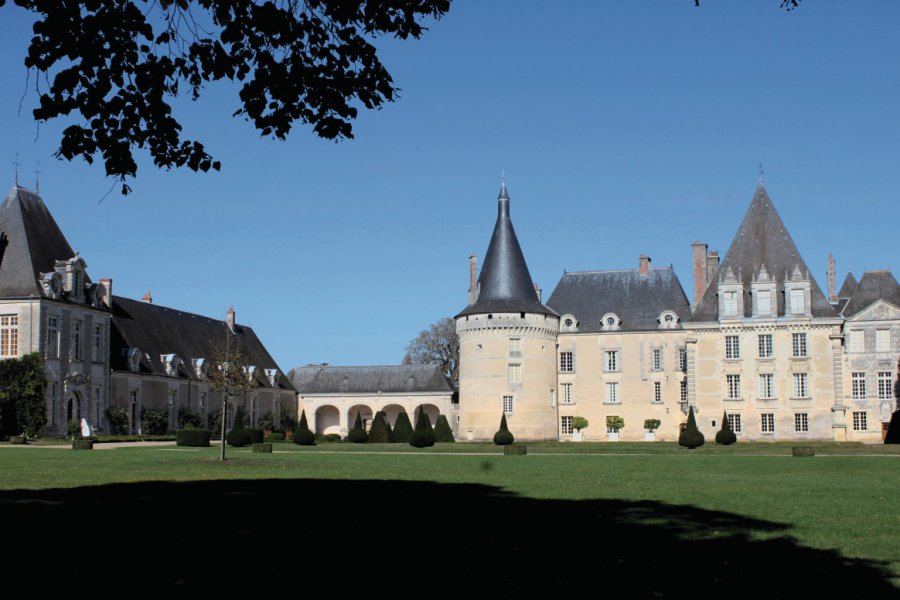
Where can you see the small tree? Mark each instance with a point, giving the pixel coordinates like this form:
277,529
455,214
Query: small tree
423,435
442,432
725,435
579,423
614,423
504,436
691,437
358,434
302,435
23,409
118,420
402,428
189,418
893,433
651,425
226,375
379,432
154,422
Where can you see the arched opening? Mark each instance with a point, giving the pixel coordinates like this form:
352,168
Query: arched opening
430,409
328,420
364,411
392,411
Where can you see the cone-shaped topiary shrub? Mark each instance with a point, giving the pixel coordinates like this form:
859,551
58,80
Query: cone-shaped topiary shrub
725,436
423,435
691,437
379,433
256,436
402,428
358,435
302,435
192,436
442,431
503,437
238,418
893,433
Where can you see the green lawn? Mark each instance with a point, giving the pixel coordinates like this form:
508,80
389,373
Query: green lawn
845,498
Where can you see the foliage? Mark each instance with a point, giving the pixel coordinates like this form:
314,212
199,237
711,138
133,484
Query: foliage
117,418
302,435
615,422
240,419
579,423
380,432
358,434
893,433
328,437
651,424
725,435
423,435
238,438
257,436
82,444
73,428
275,436
214,420
154,422
193,437
437,345
23,409
691,437
189,418
788,5
503,437
115,66
442,432
262,447
266,422
803,451
287,421
226,374
402,428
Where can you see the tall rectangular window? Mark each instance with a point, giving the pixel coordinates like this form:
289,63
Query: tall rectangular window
734,386
507,405
515,373
682,360
568,396
612,392
656,359
9,335
730,304
801,385
798,304
764,303
765,345
657,392
860,421
732,346
767,422
857,341
565,425
799,345
515,347
612,360
766,385
98,343
884,385
858,381
76,340
52,350
734,421
882,340
801,422
683,392
566,362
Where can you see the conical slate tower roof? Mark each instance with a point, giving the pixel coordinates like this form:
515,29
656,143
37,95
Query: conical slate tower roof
848,287
505,285
35,243
874,286
762,240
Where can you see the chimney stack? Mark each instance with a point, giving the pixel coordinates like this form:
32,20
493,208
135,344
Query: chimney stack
644,262
700,272
712,266
473,279
538,291
229,318
106,284
147,298
832,289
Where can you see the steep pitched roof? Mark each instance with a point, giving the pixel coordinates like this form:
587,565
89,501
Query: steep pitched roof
874,286
638,300
848,287
762,240
505,285
326,379
35,243
156,330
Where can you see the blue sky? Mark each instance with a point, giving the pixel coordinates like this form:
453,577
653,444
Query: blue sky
624,128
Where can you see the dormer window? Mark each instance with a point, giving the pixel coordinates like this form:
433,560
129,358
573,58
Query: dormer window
97,292
171,363
568,323
52,285
668,320
134,359
250,372
610,322
798,303
796,298
272,377
200,367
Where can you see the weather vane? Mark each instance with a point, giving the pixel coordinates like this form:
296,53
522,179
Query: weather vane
761,173
16,165
37,178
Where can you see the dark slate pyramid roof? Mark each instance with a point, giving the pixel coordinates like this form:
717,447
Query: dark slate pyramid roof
638,300
505,285
762,240
35,243
874,286
848,287
326,379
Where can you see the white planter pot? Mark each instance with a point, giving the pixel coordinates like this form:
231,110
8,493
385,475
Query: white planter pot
612,437
577,436
649,436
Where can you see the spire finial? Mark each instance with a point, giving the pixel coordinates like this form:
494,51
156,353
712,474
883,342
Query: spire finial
16,165
761,174
37,178
504,195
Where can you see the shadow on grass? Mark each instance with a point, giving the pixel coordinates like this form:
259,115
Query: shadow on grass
298,537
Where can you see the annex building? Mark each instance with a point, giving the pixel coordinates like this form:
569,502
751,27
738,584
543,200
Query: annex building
759,343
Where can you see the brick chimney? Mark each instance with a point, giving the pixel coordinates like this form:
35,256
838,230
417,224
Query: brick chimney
644,265
699,272
106,284
832,289
229,318
473,279
147,298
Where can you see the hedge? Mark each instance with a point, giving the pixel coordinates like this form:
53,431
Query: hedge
193,437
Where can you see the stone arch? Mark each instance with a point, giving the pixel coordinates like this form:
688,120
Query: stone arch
367,415
430,409
392,411
328,419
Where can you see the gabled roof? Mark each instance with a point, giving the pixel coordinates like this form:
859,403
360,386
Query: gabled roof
326,379
35,243
156,330
848,287
505,285
762,240
638,300
874,286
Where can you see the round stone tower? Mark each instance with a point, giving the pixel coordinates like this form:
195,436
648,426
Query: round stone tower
507,339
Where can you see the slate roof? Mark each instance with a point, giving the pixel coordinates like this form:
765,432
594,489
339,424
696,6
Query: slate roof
327,379
874,286
636,299
34,244
762,240
156,330
504,284
848,287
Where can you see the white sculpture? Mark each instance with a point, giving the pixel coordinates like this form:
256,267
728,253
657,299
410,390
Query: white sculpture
85,428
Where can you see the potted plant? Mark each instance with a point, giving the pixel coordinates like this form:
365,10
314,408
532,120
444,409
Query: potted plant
651,425
578,423
613,424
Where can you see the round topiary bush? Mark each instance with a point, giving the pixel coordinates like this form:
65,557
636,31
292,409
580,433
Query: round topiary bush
442,432
256,436
423,435
691,437
725,436
193,437
304,437
503,437
238,438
